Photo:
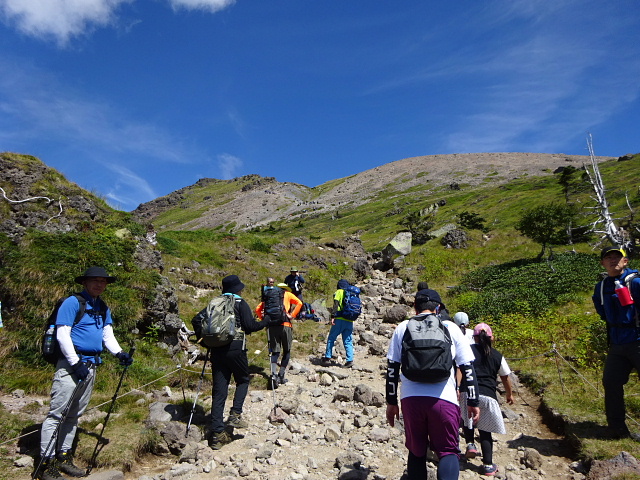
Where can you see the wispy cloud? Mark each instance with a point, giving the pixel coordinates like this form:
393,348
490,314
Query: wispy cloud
62,20
128,189
37,109
39,106
207,5
228,165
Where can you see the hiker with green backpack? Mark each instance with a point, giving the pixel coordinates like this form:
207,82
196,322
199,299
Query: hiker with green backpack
222,327
83,327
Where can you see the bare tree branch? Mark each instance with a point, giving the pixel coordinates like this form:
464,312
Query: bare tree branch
605,222
49,201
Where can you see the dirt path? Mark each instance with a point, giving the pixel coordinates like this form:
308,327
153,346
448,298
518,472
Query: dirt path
302,451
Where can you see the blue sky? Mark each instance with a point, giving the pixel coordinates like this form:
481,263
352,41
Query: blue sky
134,99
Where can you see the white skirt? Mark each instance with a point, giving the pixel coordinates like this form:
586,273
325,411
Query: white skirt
490,414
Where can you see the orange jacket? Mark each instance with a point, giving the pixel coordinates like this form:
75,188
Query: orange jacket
289,300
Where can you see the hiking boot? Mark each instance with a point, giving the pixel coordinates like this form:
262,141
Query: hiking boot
472,451
326,361
273,382
65,464
349,364
489,470
282,380
217,440
50,472
235,421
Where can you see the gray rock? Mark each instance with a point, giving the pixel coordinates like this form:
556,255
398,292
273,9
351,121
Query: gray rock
363,394
531,458
23,462
343,395
164,412
624,464
395,314
379,434
108,475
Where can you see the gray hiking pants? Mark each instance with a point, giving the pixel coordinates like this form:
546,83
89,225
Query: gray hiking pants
65,391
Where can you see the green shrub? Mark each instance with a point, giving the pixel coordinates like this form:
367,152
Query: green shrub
527,287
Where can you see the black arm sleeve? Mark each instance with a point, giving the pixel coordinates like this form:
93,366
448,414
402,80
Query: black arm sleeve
470,384
247,321
391,382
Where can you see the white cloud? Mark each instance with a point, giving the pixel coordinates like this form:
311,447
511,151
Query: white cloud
208,5
60,19
228,165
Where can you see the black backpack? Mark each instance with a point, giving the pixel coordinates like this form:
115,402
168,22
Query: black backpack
426,350
273,305
50,348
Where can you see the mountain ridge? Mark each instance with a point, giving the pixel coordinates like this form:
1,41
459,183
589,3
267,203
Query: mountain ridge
257,201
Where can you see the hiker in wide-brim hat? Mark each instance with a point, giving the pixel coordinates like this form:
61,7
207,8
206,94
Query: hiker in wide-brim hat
93,272
83,330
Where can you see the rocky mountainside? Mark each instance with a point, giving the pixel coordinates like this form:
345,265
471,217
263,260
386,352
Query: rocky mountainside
255,201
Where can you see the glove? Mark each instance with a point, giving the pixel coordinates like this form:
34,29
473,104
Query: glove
81,370
125,358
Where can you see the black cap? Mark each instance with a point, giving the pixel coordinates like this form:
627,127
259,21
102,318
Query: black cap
612,248
95,272
429,295
231,284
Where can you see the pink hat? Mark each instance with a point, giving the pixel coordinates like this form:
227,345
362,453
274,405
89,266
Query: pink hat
480,327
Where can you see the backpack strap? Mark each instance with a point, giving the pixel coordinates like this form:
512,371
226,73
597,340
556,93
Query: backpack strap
83,308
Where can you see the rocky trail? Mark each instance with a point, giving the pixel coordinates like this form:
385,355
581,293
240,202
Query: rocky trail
326,433
331,420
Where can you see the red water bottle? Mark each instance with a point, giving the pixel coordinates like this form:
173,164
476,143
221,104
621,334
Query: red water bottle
624,295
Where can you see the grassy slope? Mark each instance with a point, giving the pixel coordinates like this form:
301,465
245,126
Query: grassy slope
255,255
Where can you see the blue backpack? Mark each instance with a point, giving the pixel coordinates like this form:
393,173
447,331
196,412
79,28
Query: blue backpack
351,304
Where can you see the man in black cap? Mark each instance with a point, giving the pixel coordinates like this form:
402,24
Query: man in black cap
81,342
612,302
229,360
429,404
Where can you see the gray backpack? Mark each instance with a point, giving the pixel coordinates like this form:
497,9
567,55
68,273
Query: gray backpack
426,350
219,323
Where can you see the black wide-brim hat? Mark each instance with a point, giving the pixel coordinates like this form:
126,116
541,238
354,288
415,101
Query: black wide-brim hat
231,284
95,272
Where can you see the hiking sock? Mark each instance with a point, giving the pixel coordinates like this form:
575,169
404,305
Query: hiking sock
285,360
468,435
448,467
416,467
486,445
274,365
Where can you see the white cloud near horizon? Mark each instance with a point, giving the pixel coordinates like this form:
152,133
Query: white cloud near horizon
229,165
62,20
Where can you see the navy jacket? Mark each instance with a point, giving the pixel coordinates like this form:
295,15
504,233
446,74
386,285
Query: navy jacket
621,322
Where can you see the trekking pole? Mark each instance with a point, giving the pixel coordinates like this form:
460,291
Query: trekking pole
193,408
101,440
63,417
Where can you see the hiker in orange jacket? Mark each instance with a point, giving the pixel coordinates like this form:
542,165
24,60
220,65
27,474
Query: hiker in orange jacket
281,335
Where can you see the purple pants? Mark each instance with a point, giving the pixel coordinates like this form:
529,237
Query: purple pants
432,422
